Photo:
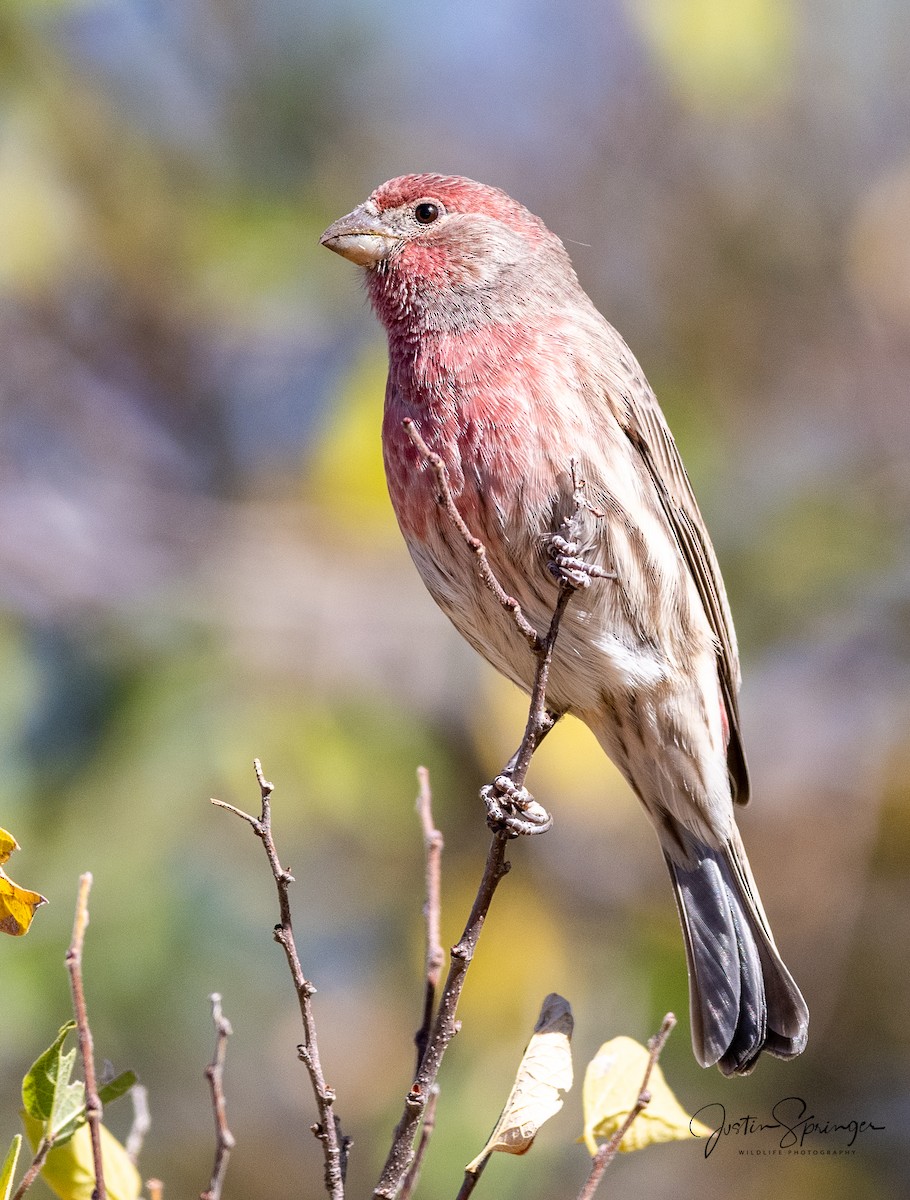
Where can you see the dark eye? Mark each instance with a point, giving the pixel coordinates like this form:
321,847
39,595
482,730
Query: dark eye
426,213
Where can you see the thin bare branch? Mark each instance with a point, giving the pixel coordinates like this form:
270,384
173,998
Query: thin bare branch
426,1132
328,1129
521,814
470,1179
435,955
214,1073
444,1026
142,1122
44,1148
93,1109
609,1149
474,544
540,722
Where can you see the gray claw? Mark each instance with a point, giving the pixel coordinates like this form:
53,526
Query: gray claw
513,810
569,568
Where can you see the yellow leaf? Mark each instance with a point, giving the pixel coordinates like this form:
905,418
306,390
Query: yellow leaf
612,1085
544,1071
7,845
69,1170
17,904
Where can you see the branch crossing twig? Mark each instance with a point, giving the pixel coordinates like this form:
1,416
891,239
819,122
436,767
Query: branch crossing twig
521,815
511,811
609,1149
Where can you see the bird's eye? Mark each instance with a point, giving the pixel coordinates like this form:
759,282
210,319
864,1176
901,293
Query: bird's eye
426,213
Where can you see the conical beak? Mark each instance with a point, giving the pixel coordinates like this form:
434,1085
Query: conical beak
361,236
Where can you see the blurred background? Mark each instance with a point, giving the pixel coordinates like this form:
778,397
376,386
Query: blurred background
198,562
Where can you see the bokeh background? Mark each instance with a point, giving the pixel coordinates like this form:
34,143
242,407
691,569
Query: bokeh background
198,563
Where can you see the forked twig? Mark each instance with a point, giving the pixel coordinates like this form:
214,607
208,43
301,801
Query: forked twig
540,720
469,1183
438,1029
214,1073
609,1149
328,1129
426,1132
444,1027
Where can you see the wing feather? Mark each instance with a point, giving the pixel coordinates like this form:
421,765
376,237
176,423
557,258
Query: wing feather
647,430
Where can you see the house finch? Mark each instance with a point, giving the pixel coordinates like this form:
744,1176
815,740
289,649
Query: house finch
515,380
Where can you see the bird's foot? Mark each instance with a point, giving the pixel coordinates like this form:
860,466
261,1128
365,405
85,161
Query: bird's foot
570,569
513,810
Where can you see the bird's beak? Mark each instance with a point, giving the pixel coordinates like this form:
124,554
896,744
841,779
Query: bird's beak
361,236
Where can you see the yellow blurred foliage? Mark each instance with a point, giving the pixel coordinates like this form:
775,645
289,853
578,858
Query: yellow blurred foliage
35,218
17,906
521,954
345,474
719,53
570,767
247,256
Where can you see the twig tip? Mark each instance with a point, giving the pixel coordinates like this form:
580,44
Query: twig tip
265,786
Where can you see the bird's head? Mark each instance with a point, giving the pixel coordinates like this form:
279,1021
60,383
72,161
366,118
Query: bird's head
444,251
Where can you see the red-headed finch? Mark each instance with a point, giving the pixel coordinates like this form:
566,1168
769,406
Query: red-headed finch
511,375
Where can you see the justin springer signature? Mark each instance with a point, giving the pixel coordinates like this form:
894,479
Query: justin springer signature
790,1116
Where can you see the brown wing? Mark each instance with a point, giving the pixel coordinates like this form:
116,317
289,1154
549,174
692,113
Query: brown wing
647,430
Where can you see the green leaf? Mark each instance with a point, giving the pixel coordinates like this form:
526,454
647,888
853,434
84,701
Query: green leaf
116,1088
8,1170
69,1106
48,1096
39,1086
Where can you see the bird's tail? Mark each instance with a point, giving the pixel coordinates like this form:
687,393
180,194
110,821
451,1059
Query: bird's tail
742,998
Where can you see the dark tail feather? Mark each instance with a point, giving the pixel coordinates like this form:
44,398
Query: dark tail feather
742,998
